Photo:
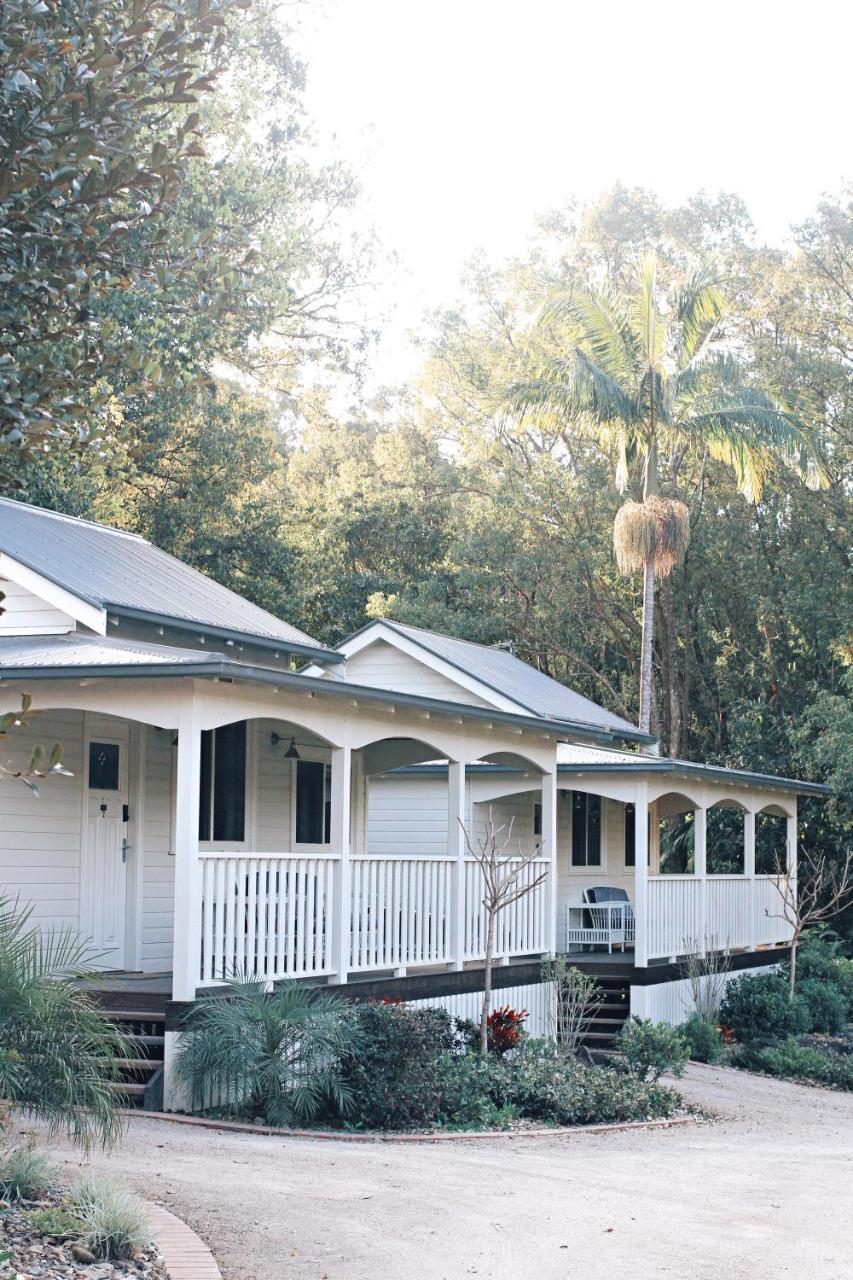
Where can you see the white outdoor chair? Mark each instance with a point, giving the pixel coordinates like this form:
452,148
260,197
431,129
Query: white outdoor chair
606,918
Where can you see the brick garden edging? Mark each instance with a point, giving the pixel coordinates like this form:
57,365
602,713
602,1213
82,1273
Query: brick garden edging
330,1135
185,1255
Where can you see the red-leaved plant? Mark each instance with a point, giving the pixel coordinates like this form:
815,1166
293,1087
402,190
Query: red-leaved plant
505,1029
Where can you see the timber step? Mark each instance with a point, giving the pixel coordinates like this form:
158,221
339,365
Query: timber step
611,1015
139,1081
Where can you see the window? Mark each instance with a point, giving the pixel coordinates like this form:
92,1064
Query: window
222,806
631,836
537,819
103,766
586,830
313,802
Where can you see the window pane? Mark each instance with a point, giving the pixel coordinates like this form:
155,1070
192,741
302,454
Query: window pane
630,834
206,778
229,782
593,831
537,819
103,766
579,799
310,802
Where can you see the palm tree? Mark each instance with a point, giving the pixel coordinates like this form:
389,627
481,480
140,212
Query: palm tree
275,1055
645,376
57,1051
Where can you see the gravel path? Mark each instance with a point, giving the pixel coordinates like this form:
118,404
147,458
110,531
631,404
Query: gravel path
762,1193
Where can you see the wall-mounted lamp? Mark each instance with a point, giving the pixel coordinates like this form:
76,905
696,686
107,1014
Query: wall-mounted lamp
291,753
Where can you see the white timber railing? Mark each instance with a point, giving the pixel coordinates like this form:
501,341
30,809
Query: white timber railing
272,915
267,915
714,913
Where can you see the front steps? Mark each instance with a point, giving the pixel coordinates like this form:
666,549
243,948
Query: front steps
139,1083
615,1009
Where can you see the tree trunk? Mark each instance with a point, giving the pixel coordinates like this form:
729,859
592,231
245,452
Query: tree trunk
648,642
794,941
674,700
487,983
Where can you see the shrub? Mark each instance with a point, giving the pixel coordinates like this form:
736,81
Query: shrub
759,1007
650,1049
816,957
505,1029
114,1219
57,1222
792,1060
704,1038
395,1068
843,979
825,1004
25,1174
540,1082
272,1055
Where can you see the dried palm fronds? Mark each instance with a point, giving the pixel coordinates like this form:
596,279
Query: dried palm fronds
658,527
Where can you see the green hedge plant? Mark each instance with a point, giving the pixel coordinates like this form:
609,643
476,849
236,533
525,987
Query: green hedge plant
703,1037
651,1049
759,1007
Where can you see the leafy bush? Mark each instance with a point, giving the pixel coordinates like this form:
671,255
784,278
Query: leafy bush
114,1219
650,1049
394,1069
272,1055
540,1082
505,1029
794,1061
704,1038
759,1007
816,956
843,979
825,1003
25,1174
57,1222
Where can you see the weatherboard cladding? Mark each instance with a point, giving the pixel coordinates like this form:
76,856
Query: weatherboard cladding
111,569
514,679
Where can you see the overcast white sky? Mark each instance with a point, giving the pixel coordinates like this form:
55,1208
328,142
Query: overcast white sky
465,119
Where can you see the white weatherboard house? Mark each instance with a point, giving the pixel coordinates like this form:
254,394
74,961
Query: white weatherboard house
243,798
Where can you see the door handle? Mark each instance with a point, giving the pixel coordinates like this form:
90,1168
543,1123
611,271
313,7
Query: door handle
125,849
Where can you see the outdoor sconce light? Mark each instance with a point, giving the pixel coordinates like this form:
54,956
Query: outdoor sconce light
291,753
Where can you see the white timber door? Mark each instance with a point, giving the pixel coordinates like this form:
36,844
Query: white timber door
103,902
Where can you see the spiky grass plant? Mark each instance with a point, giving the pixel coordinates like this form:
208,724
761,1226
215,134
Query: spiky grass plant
25,1173
114,1220
274,1055
57,1052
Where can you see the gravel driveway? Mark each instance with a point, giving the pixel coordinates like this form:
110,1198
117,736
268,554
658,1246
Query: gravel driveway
764,1192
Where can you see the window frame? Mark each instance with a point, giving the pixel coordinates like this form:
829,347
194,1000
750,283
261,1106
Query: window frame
311,846
211,845
573,860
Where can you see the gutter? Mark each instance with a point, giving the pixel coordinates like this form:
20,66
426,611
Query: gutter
316,652
224,669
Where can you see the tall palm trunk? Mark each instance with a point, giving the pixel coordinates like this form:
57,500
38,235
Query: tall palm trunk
650,489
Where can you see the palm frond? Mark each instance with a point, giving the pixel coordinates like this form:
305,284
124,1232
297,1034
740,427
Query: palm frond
749,433
699,307
601,327
568,388
646,317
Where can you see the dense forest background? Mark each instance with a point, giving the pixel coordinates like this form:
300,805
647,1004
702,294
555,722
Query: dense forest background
209,416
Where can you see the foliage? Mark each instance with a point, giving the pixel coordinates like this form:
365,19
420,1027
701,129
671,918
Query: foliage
826,1007
794,1061
25,1173
395,1065
651,1049
577,1000
58,1222
100,127
703,1038
56,1050
115,1221
40,764
707,976
275,1055
505,1028
541,1082
760,1007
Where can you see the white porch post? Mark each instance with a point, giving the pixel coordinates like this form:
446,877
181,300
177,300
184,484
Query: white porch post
549,853
641,874
340,840
700,871
456,851
749,873
791,841
186,951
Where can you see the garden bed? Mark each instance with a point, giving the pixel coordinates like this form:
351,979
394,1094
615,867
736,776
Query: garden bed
33,1252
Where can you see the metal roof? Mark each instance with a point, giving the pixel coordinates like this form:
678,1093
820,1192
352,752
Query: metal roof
61,657
121,572
501,671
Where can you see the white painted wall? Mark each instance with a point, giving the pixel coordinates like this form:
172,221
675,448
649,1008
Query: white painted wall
24,614
156,856
383,666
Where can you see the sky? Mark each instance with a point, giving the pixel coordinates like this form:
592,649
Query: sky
466,120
